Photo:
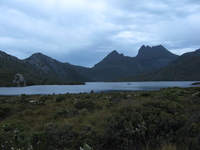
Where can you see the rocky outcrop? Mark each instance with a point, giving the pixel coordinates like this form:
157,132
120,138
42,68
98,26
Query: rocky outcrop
19,80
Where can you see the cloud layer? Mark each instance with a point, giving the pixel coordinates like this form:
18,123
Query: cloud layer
82,32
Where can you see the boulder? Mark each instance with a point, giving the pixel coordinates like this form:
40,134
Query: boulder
19,80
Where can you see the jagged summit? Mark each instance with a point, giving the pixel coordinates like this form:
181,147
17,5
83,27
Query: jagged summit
147,52
112,58
114,54
155,57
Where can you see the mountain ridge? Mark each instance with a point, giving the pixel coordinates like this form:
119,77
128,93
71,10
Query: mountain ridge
185,68
148,59
42,69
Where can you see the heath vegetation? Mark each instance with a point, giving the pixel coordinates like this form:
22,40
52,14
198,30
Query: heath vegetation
168,119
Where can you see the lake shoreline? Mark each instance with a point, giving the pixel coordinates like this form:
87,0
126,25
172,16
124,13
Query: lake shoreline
96,87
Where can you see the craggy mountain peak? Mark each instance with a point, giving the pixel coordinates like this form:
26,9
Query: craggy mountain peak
147,52
41,60
39,57
155,57
113,58
114,54
45,62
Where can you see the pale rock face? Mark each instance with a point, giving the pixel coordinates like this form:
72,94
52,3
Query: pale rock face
19,80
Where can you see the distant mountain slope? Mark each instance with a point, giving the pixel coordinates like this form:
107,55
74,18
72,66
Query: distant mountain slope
151,63
9,66
185,67
59,72
117,65
37,69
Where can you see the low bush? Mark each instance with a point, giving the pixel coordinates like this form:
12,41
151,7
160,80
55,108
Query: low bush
4,112
146,126
60,98
61,113
84,105
152,120
12,137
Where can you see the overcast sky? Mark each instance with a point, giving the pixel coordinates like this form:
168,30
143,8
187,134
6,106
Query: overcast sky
83,32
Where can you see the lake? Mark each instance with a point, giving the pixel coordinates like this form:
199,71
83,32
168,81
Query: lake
95,86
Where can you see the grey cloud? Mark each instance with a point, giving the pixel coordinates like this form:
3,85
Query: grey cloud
67,30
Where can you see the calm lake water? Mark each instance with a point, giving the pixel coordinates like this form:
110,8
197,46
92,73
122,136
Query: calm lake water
95,86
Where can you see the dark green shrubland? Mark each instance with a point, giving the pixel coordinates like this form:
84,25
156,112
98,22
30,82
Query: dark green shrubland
153,120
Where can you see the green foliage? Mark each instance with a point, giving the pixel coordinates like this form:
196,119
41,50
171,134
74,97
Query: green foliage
150,125
43,98
168,147
4,112
150,120
12,137
84,105
126,129
37,140
61,113
189,136
60,98
23,98
86,147
60,138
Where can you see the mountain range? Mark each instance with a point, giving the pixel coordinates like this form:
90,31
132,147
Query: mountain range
151,63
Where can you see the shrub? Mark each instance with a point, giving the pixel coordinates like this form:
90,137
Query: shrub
43,98
61,138
84,105
23,99
171,95
86,147
166,106
145,94
4,112
60,98
37,140
61,113
188,136
149,125
168,147
125,129
12,137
